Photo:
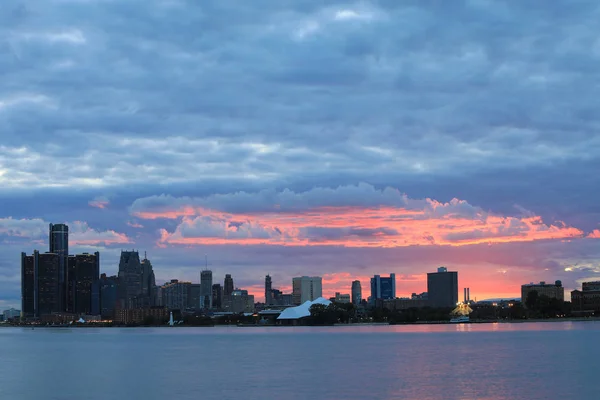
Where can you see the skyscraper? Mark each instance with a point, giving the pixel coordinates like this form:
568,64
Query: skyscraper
130,279
27,286
84,273
47,289
108,295
58,239
206,289
306,288
227,286
383,288
442,288
148,284
268,292
217,296
356,292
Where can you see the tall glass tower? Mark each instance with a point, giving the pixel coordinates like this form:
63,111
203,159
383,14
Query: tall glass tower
59,244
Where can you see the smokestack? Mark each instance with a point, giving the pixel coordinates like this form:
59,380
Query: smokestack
464,295
468,294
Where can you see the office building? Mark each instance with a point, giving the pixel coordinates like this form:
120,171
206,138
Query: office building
383,288
227,286
130,279
356,293
281,299
58,238
587,300
217,296
27,286
268,293
158,315
552,290
49,298
108,295
442,288
148,295
83,295
11,314
306,288
240,302
175,295
206,289
341,298
193,302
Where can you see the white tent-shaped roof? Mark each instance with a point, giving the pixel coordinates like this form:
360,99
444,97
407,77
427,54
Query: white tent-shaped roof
303,310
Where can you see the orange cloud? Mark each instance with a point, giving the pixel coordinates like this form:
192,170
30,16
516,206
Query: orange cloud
595,234
99,202
358,227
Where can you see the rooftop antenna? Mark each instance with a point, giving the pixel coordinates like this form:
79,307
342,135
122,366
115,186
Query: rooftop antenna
145,258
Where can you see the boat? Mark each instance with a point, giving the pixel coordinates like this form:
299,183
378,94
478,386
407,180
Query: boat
460,319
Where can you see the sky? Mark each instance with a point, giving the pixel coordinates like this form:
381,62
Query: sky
305,137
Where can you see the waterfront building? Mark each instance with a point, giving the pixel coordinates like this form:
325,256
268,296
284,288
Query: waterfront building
108,295
11,313
383,288
227,286
148,295
268,291
342,298
159,315
552,290
130,279
58,239
240,302
49,298
587,300
442,288
175,294
306,288
193,296
401,303
206,289
27,286
281,299
356,293
217,296
83,273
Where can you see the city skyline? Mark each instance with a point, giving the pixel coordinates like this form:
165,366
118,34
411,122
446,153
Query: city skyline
388,137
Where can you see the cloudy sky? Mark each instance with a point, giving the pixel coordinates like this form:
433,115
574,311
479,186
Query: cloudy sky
301,137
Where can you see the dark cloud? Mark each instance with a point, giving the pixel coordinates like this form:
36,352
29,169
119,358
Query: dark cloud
133,103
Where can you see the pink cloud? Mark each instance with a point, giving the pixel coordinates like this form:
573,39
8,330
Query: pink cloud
99,202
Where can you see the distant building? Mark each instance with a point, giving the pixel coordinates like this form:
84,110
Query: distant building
28,304
175,295
268,291
206,289
108,295
11,314
58,239
227,286
342,298
193,297
306,288
217,296
130,279
240,302
586,300
383,288
402,303
83,297
356,293
49,298
281,299
553,291
442,288
148,295
159,315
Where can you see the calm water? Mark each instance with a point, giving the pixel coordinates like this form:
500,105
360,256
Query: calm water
483,361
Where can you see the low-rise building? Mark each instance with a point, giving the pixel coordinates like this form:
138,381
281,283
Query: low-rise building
586,300
11,314
139,315
553,291
342,298
401,303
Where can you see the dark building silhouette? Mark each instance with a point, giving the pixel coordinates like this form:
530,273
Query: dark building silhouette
383,288
227,286
442,288
206,289
108,295
217,296
84,290
59,244
27,286
130,279
47,288
268,293
194,296
148,295
356,293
